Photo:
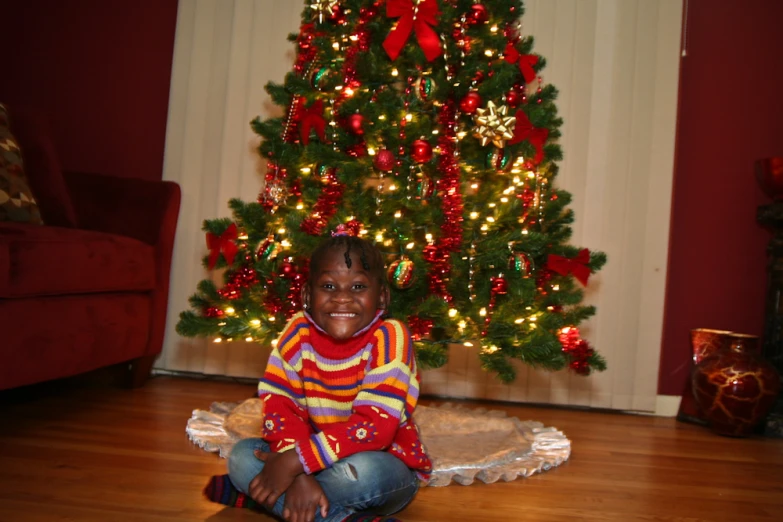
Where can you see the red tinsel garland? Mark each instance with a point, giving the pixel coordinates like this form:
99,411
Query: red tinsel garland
448,187
326,206
577,350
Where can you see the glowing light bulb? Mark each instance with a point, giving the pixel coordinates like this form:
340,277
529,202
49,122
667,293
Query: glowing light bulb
398,214
483,312
410,246
281,230
274,343
256,322
468,344
230,311
218,340
519,321
395,72
474,215
248,339
305,170
452,312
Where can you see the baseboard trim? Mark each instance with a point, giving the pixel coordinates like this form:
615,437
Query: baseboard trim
667,405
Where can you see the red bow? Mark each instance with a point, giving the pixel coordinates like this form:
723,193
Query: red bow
526,61
413,18
524,130
313,118
224,243
576,266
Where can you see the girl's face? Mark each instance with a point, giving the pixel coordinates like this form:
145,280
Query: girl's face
343,300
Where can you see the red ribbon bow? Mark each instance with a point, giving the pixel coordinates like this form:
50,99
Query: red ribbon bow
526,61
576,266
418,18
524,130
313,118
222,244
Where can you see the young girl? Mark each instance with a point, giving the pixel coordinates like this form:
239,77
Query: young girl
339,392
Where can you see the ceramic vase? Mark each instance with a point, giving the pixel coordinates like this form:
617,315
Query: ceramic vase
734,387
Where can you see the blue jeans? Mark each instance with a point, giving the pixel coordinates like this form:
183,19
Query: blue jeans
373,482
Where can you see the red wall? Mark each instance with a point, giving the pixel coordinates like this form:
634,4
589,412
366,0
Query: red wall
101,69
731,113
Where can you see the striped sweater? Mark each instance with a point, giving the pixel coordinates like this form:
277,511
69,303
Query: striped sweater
329,399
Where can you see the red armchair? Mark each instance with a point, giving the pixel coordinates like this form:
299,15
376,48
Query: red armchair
89,288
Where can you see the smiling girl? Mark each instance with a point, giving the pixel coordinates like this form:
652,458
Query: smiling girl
339,442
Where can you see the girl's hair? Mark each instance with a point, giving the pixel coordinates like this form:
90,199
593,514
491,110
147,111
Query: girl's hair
370,257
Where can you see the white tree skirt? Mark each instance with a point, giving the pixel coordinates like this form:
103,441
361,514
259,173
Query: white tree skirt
464,444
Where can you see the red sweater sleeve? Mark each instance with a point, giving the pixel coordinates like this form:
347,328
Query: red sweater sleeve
285,417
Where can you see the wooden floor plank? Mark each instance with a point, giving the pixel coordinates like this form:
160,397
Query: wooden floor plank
87,451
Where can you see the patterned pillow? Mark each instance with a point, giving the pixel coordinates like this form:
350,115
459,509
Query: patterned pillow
16,200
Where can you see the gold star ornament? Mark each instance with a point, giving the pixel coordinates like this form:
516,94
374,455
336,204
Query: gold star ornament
322,9
493,125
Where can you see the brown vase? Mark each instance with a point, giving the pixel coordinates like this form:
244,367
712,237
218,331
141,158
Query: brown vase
734,387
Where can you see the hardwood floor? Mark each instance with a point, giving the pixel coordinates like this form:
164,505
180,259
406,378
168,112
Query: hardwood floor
87,451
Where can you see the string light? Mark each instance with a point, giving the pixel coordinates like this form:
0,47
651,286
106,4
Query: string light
218,340
230,311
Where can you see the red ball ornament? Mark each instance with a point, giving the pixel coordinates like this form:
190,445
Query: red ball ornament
478,14
421,151
470,103
287,270
384,160
499,286
337,16
513,98
356,124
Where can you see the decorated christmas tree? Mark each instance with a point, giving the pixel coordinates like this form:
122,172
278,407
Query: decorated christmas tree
422,126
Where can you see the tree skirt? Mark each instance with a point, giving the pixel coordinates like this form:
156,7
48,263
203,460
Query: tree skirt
464,444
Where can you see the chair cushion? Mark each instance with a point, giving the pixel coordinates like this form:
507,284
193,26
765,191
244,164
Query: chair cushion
16,199
42,166
37,261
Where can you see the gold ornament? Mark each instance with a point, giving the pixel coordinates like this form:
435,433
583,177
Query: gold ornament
323,8
493,125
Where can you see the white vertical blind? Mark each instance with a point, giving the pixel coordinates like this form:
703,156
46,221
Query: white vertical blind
615,63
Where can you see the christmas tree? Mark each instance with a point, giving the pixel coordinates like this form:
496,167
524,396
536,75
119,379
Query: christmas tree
423,126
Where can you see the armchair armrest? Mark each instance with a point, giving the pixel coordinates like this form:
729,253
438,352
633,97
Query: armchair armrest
142,209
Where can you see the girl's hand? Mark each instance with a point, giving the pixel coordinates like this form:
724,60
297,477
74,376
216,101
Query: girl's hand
303,499
279,472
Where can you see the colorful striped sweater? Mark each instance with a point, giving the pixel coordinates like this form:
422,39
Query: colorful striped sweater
329,399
